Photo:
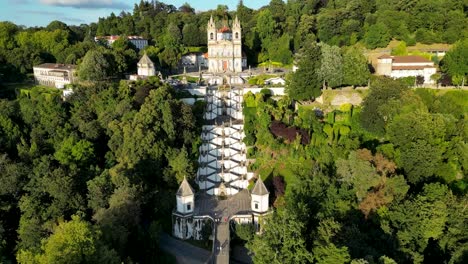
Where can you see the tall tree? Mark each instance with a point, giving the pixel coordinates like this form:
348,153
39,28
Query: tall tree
95,66
75,241
305,83
455,62
419,220
355,69
304,33
265,27
331,67
374,116
281,241
377,36
191,35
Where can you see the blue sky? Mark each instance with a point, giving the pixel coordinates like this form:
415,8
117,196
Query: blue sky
75,12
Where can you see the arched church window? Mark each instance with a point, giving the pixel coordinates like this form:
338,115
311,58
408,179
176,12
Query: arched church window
237,35
211,36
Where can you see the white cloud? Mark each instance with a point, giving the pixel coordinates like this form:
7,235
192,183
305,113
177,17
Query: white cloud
90,4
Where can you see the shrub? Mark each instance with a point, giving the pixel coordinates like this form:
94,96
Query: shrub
289,133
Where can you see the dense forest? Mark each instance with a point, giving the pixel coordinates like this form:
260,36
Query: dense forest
381,183
272,33
93,176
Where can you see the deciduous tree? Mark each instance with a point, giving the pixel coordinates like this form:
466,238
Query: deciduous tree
331,66
455,62
305,83
95,66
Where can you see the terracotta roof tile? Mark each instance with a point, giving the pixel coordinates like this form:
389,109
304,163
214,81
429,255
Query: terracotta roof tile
409,59
224,29
411,67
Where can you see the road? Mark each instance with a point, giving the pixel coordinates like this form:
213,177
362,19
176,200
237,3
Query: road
184,252
222,243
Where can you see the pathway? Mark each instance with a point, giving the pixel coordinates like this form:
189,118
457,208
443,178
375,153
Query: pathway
222,242
223,167
183,251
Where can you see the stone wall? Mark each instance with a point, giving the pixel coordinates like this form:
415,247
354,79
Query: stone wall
189,227
342,96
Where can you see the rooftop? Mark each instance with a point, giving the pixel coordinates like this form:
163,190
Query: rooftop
409,59
385,56
411,67
56,66
185,189
115,37
145,60
406,59
259,188
224,29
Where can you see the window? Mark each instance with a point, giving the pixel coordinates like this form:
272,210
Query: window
237,35
256,205
189,207
211,36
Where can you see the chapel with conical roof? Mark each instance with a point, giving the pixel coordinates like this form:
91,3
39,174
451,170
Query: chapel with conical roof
260,196
146,66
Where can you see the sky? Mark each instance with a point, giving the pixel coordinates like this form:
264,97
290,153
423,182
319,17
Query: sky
75,12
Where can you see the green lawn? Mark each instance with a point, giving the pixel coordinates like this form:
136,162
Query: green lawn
26,89
34,90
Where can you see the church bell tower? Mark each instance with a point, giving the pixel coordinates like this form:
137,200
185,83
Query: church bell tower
211,30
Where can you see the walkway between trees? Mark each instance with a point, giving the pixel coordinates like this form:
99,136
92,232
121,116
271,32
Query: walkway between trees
221,251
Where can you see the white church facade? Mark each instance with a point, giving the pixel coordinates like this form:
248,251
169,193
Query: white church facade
225,48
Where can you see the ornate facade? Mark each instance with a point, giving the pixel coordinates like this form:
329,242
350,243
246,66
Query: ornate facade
225,48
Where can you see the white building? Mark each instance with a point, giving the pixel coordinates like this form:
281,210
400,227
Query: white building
138,41
54,75
194,59
260,196
225,48
275,81
405,66
146,67
185,197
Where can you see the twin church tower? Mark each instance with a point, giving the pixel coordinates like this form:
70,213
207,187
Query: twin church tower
225,48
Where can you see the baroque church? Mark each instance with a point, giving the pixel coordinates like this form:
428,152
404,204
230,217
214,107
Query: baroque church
225,48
